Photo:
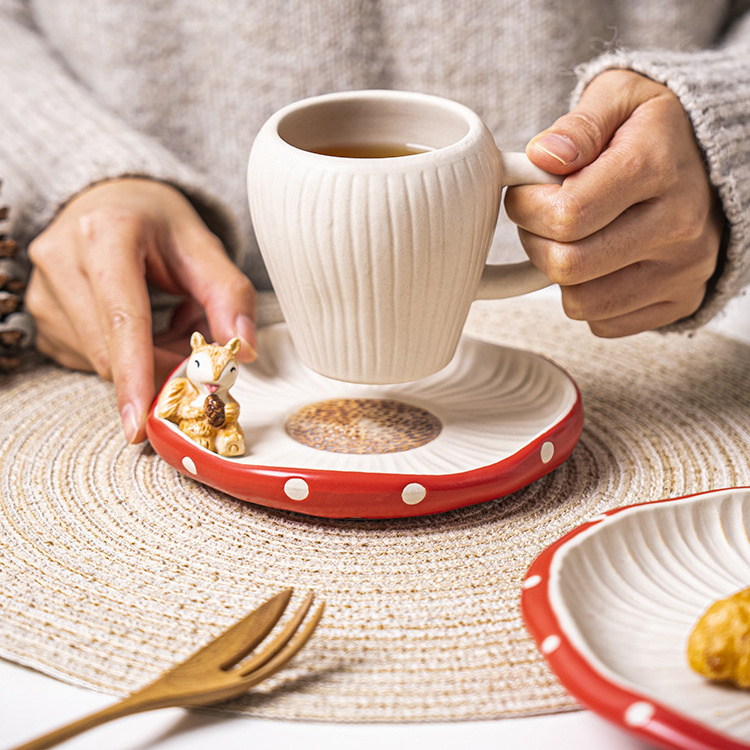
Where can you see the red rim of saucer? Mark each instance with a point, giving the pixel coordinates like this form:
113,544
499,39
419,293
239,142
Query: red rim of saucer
345,494
623,706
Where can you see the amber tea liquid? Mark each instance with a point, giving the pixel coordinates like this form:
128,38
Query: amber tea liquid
373,150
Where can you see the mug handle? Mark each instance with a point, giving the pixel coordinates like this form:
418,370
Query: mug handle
514,279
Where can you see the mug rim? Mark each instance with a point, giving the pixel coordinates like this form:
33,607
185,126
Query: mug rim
474,126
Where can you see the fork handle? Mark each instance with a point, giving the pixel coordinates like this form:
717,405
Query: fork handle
129,705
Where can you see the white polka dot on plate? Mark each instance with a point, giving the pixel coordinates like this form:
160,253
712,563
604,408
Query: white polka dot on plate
189,464
639,714
550,643
547,452
531,581
413,493
296,489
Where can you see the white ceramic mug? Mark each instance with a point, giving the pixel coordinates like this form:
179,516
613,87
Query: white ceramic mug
376,261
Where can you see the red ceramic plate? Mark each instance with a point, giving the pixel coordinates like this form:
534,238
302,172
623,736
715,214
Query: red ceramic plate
611,606
505,418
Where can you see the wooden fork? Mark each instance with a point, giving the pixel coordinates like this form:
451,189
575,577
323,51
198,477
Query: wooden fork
213,673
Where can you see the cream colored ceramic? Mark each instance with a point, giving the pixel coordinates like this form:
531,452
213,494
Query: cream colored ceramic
376,261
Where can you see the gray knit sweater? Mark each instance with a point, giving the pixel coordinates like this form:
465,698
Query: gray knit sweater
95,89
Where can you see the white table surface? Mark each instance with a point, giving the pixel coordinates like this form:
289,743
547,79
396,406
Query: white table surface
31,703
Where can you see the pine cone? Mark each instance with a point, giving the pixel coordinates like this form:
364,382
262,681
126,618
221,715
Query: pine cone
16,325
214,410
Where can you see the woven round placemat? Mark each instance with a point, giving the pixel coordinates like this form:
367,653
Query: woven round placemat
113,566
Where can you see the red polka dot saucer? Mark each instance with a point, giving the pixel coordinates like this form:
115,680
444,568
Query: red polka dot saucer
492,421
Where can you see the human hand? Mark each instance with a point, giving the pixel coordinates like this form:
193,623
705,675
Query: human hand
89,297
632,235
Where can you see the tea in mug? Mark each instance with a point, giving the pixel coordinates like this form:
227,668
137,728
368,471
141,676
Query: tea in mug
370,150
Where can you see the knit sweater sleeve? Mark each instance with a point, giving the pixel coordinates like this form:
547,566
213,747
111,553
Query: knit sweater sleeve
714,88
56,140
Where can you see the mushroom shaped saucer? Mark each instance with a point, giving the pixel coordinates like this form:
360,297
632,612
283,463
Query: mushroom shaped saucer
492,421
612,604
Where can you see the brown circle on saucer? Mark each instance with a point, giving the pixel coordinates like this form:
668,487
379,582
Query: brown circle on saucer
363,425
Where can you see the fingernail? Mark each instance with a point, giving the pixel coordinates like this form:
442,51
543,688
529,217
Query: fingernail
131,423
558,147
246,332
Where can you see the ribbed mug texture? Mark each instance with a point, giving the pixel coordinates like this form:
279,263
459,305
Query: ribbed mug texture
375,261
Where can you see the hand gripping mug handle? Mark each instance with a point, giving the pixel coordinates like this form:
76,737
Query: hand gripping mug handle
514,279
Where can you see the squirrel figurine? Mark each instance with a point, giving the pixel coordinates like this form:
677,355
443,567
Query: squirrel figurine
200,403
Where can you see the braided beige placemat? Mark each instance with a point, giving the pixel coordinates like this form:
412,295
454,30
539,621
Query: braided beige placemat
113,566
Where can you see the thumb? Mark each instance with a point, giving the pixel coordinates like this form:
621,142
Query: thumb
576,139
